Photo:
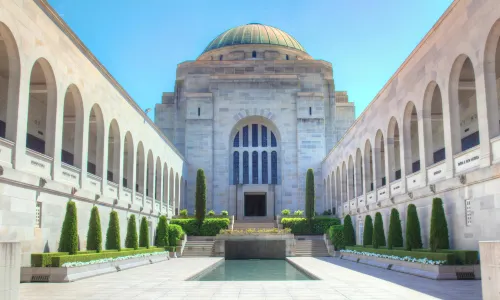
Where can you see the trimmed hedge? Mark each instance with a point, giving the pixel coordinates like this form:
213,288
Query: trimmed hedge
209,227
310,195
349,234
44,259
113,234
68,242
336,234
58,261
319,225
131,240
162,232
413,237
438,237
378,231
144,233
368,231
448,257
395,237
462,257
201,196
94,234
175,233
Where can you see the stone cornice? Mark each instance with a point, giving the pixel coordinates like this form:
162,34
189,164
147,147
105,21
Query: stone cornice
255,77
197,95
59,22
310,94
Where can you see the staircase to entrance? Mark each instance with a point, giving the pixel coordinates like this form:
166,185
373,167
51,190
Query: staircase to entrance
202,246
310,245
254,223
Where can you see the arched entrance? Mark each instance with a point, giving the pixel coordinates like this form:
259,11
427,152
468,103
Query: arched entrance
254,168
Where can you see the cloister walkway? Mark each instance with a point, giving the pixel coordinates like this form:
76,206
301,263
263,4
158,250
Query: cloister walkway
341,280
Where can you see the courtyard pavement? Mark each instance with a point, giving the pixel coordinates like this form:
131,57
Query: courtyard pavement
340,280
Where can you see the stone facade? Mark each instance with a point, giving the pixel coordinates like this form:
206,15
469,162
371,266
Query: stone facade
432,131
288,92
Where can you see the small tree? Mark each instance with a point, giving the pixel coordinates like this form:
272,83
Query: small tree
68,241
310,194
201,196
144,233
349,236
94,234
395,237
378,231
413,237
113,234
438,238
368,231
131,239
162,232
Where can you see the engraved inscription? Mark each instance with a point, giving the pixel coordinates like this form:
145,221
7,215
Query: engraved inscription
37,164
466,161
72,176
437,172
93,183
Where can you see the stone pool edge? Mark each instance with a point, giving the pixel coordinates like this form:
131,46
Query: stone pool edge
302,269
208,269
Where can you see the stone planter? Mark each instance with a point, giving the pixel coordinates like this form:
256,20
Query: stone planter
437,272
68,274
259,245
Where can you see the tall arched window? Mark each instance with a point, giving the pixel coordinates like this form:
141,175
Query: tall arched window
236,167
250,141
246,174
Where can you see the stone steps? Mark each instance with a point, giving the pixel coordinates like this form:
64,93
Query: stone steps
253,225
198,247
311,247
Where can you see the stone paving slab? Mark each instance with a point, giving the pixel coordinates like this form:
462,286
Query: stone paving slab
340,280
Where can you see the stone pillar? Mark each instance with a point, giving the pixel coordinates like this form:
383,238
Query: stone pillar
10,268
490,269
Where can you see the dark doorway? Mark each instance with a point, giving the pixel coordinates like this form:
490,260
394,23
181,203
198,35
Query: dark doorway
255,205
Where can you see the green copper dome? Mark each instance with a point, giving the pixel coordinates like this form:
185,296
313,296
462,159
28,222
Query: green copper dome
252,34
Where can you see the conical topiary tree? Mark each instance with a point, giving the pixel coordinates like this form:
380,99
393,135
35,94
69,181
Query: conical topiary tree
438,238
395,237
201,196
144,233
368,231
349,236
131,239
113,234
413,237
94,234
310,195
68,241
378,231
162,232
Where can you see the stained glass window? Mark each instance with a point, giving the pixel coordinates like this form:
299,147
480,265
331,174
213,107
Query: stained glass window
255,167
264,136
236,142
236,167
274,167
245,136
246,179
273,140
255,135
264,168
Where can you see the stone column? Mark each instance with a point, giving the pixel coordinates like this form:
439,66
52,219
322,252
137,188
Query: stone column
56,113
20,121
490,269
421,151
483,122
10,268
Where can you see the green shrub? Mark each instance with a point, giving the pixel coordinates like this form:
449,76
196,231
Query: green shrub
209,227
327,212
69,233
201,196
94,234
212,227
113,234
395,237
58,261
310,194
462,257
170,248
438,238
162,232
211,213
318,225
224,213
378,232
285,212
413,237
336,234
175,233
298,212
183,213
131,240
44,259
349,235
368,231
448,257
144,233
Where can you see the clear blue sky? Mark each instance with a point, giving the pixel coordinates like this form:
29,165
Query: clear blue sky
141,42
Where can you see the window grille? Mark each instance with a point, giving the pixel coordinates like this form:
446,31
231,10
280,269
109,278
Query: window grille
38,215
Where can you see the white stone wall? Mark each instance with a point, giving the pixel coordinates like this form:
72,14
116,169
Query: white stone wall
466,180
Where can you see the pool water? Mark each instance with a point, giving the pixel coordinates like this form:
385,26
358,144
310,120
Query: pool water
254,269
